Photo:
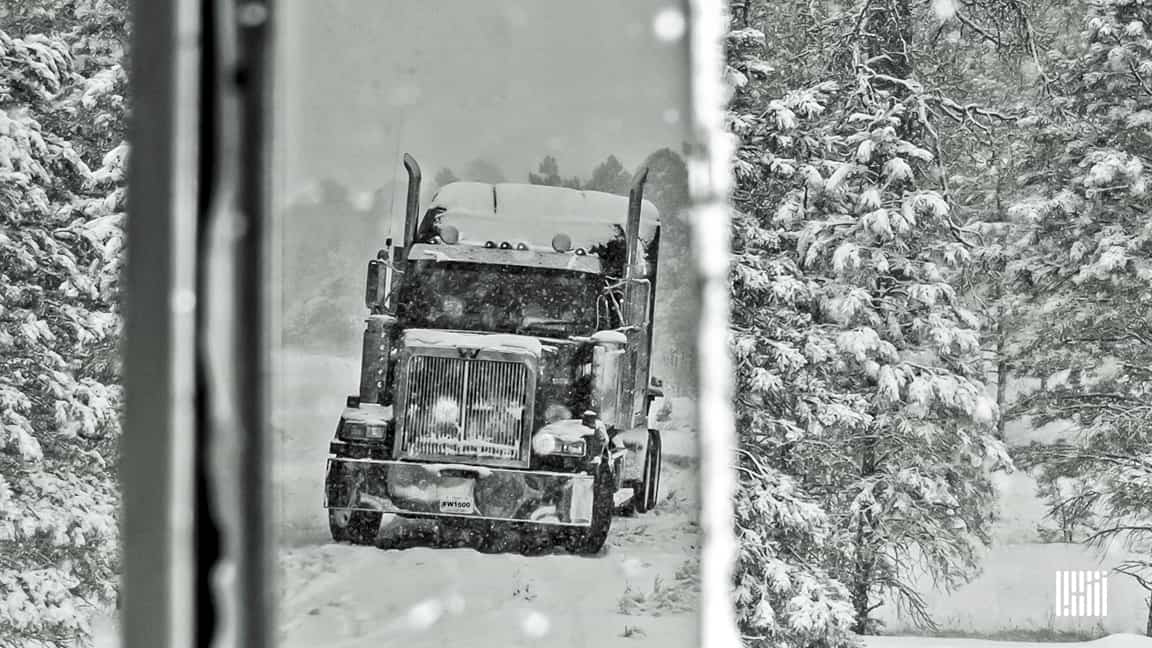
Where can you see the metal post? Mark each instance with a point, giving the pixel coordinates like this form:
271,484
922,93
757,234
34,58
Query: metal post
161,307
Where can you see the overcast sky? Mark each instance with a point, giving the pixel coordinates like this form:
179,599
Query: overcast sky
363,81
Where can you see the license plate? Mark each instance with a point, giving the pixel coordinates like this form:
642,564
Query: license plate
456,496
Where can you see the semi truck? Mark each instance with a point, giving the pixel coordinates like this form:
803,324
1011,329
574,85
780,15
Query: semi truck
505,387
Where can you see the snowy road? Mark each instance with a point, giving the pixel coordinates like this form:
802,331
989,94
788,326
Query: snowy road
341,596
335,596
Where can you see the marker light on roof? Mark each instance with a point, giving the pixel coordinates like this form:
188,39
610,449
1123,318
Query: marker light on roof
505,246
561,243
580,252
449,234
522,246
491,245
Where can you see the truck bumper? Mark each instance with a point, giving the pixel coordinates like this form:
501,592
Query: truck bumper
459,491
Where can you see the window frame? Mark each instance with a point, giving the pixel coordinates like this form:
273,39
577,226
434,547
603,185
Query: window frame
197,544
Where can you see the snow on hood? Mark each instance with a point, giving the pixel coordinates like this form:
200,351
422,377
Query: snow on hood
444,253
487,341
368,413
533,214
567,430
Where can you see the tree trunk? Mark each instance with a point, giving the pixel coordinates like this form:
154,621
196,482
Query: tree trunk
862,581
1001,379
863,574
886,34
1148,620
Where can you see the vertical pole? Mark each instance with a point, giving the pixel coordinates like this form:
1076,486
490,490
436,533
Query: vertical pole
253,608
160,328
235,325
710,180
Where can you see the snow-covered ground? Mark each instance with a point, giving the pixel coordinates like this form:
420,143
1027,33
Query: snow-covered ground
1112,641
1016,591
337,596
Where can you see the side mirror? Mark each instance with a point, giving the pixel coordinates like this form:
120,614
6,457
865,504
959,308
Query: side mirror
378,283
639,299
373,283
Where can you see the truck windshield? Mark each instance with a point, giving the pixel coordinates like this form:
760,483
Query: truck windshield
499,299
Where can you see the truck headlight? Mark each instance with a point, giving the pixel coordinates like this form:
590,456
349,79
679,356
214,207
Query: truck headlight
548,444
354,430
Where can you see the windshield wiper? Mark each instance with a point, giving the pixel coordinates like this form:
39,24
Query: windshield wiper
545,323
528,321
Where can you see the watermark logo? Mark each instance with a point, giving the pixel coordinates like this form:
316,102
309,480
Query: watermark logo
1081,593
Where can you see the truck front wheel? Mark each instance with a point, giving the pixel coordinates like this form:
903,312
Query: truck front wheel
347,525
356,527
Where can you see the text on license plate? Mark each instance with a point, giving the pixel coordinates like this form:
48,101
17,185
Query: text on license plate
456,497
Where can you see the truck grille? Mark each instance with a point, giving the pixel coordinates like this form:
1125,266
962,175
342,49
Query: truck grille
464,408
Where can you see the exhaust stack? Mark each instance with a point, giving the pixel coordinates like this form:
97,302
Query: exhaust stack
632,229
412,207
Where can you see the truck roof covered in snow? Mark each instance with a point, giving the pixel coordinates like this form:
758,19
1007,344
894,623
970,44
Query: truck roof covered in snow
533,214
441,253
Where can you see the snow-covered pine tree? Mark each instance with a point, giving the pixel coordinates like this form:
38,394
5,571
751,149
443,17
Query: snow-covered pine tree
549,174
1070,493
609,176
860,369
1086,261
62,166
784,593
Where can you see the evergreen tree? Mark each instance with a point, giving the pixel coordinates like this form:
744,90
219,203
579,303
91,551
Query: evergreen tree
667,184
859,364
549,174
62,114
1071,494
1085,261
609,176
784,593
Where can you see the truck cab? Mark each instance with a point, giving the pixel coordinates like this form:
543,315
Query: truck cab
505,387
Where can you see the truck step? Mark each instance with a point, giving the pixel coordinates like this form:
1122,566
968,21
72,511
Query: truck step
622,497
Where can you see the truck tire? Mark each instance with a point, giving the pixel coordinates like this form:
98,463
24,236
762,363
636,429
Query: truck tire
590,541
356,527
647,493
